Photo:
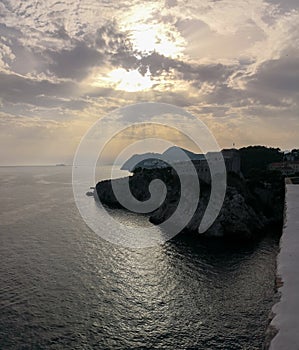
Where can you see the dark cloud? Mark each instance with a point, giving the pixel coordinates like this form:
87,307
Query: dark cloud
22,59
10,32
171,3
109,38
157,64
222,95
109,45
286,5
74,63
279,76
116,46
276,84
17,89
60,33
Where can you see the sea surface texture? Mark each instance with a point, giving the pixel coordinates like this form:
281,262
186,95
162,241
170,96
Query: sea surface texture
64,287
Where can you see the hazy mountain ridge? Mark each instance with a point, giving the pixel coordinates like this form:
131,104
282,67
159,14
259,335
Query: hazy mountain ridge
172,154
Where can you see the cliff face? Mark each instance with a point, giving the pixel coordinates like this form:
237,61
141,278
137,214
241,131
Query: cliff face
236,219
248,209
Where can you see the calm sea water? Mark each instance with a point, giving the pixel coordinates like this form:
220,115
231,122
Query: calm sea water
63,287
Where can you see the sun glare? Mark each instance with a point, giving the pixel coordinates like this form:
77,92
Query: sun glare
121,79
147,35
148,38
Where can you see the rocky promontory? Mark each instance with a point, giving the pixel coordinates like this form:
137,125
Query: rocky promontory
251,206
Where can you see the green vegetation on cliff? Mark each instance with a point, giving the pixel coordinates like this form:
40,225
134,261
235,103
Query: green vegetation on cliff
257,158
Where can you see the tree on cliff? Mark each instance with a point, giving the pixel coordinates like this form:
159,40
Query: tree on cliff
258,158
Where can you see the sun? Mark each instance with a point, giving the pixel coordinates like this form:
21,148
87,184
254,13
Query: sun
130,81
125,80
146,36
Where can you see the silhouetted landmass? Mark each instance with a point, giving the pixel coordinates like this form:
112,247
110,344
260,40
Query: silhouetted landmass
257,158
253,204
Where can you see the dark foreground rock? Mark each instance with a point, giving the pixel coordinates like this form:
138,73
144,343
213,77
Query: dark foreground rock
250,208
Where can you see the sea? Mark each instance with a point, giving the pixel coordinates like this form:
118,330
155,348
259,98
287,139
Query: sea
64,287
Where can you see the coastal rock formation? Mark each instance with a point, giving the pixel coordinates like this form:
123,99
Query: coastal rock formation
249,207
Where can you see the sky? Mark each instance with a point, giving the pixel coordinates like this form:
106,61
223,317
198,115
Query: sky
234,64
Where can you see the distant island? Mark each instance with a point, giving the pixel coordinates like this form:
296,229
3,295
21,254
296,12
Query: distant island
254,198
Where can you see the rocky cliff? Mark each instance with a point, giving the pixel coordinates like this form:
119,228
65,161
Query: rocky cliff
250,207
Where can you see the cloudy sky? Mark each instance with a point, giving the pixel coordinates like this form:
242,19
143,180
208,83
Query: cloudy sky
63,64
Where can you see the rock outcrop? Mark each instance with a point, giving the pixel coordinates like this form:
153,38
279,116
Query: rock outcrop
248,209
